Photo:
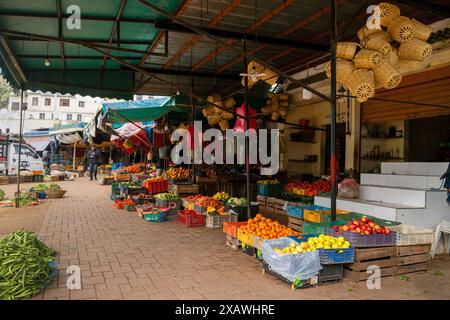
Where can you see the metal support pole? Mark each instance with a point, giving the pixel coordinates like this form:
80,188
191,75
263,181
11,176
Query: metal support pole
247,138
333,110
74,156
20,148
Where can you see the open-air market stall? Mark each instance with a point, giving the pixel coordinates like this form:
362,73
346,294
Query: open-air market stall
298,227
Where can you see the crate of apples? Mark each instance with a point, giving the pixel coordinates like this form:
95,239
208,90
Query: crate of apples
364,226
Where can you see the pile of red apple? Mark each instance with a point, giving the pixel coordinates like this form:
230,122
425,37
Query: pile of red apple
364,226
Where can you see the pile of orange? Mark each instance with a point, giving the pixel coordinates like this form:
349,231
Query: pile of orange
266,228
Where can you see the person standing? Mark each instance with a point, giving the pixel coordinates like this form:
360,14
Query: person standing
93,159
46,158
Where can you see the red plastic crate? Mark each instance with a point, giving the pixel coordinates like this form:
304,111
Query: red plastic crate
157,186
119,204
231,228
190,218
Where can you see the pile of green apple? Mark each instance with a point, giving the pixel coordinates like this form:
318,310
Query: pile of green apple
166,196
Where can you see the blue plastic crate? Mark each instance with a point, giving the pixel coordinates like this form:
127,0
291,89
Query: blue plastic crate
155,217
269,190
337,256
304,237
115,197
297,211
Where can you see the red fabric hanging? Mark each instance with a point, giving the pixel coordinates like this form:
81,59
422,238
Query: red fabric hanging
240,124
158,139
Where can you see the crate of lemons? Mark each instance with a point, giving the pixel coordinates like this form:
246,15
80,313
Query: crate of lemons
314,243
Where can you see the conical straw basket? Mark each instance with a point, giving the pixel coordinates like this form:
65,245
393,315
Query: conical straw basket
421,31
362,84
364,32
393,57
387,75
378,44
389,12
401,29
344,69
409,66
367,59
346,50
415,49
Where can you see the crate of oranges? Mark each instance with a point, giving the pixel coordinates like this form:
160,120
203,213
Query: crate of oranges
261,228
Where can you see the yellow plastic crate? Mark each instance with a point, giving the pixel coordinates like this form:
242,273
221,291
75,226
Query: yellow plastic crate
317,216
245,238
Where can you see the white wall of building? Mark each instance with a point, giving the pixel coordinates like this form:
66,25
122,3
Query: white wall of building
46,110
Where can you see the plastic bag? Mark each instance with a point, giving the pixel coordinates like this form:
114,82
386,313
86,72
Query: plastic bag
301,266
348,188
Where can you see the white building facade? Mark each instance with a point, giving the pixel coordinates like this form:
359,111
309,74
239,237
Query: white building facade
46,110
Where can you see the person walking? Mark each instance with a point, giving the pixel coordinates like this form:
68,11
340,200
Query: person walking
93,159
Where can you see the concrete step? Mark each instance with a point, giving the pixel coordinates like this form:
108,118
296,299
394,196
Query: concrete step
415,168
429,216
402,196
401,180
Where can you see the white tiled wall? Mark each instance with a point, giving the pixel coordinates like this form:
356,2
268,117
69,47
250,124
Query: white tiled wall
407,197
415,168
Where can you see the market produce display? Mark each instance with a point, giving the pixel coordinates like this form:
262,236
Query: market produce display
166,196
308,188
364,226
221,196
135,168
266,182
44,187
266,228
237,201
2,195
210,203
195,198
177,173
314,243
26,265
28,199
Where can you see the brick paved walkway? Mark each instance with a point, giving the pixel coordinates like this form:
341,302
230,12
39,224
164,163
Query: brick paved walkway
124,257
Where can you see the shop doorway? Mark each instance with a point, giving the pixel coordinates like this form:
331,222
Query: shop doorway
340,149
428,139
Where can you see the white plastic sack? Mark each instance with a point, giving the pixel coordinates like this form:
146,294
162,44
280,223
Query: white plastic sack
301,266
348,188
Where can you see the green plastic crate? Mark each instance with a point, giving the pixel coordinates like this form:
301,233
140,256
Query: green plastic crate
319,228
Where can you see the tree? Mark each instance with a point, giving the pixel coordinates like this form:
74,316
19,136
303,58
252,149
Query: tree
5,92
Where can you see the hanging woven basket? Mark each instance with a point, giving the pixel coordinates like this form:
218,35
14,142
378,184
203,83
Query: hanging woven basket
213,120
401,29
367,59
421,31
393,57
224,124
230,103
378,44
344,69
388,13
346,50
364,32
387,75
415,49
362,84
409,66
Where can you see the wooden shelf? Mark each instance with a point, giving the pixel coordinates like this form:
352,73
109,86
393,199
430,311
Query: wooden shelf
386,160
380,138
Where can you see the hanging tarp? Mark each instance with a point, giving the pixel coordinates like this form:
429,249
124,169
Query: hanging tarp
69,138
144,110
132,136
69,128
38,144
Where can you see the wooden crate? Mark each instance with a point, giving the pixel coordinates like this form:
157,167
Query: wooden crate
398,270
295,224
274,205
4,180
383,257
401,251
183,188
357,276
413,258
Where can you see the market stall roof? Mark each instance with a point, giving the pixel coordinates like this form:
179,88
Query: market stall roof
144,110
38,143
118,36
67,128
